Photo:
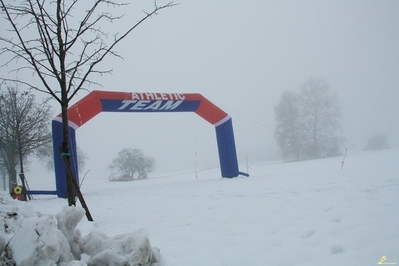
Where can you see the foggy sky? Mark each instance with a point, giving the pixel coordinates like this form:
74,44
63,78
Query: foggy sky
242,55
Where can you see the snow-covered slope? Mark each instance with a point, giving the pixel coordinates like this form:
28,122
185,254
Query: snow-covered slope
299,213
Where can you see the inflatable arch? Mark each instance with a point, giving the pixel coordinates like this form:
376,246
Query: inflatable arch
107,101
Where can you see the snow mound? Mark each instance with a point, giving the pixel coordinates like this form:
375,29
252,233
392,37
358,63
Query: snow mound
30,238
39,243
67,220
126,249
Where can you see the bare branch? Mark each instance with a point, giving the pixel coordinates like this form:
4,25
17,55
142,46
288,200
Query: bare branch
46,55
109,49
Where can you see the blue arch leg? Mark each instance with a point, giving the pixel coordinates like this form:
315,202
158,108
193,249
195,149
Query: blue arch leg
227,149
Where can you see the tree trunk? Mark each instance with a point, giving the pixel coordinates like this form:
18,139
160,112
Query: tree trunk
21,173
67,154
4,182
12,178
64,104
76,188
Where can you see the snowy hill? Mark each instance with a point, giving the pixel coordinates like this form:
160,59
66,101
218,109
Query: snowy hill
299,213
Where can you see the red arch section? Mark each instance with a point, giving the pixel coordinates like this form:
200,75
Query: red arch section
92,104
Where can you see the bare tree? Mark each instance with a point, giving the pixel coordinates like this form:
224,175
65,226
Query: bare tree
377,142
24,127
321,117
307,122
131,164
63,47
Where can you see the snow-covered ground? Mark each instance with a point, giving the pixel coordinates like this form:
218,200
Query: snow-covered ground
299,213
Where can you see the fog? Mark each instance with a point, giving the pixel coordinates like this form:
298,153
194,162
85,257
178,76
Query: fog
242,55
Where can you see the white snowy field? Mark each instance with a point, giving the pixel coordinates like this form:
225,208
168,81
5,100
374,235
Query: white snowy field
299,213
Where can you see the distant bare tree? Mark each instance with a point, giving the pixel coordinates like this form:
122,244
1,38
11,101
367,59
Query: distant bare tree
131,164
58,45
377,142
321,115
307,122
24,127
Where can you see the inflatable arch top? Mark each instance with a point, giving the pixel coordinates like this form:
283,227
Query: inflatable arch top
108,101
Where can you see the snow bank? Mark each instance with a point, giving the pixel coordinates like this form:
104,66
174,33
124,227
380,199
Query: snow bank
67,220
40,242
127,249
30,238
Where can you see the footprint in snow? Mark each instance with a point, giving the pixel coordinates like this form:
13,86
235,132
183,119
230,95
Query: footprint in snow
336,249
307,234
329,209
